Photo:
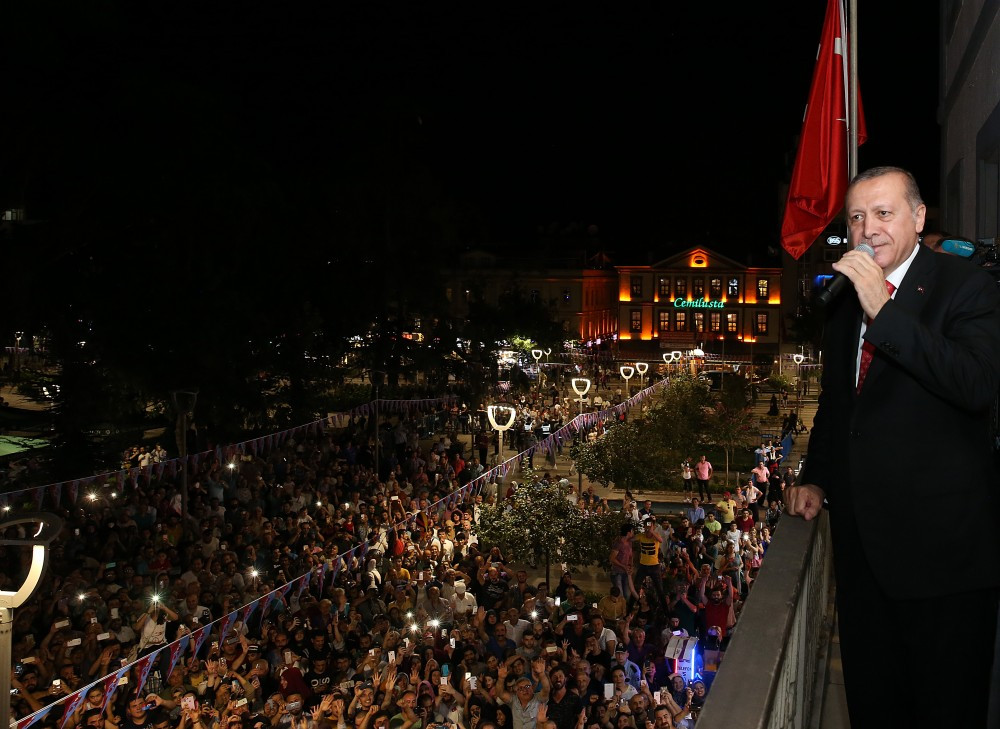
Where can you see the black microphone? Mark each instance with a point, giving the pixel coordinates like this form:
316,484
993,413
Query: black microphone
840,281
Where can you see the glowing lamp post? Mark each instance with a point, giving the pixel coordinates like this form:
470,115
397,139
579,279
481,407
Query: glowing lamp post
493,412
537,354
17,350
49,527
670,358
641,368
581,386
695,354
627,372
798,359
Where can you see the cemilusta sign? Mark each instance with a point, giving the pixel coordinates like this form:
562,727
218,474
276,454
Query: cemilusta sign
698,304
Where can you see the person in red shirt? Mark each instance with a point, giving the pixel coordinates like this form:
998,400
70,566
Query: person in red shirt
745,521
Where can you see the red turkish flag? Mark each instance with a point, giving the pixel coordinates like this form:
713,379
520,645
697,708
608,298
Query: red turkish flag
819,179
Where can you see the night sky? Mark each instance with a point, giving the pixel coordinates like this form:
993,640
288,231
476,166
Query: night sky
663,124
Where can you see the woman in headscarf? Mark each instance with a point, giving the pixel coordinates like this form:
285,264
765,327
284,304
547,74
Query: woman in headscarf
372,577
291,682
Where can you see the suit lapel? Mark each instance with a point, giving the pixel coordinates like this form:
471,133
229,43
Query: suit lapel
912,296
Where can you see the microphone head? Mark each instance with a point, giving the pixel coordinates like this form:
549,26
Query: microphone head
865,248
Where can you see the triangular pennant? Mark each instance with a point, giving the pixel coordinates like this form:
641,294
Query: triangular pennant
30,719
111,683
225,624
55,494
143,666
248,610
199,637
176,650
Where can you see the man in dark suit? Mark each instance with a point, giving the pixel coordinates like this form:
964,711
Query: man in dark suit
925,388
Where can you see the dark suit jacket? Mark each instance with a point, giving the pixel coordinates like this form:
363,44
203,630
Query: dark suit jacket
911,452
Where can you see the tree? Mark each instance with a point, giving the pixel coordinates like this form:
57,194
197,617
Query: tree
626,455
541,524
678,418
730,428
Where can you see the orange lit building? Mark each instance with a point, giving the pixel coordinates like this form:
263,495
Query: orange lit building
699,298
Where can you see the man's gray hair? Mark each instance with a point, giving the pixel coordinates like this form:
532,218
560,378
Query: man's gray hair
911,192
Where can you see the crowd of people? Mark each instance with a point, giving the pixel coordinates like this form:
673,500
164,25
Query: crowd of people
419,625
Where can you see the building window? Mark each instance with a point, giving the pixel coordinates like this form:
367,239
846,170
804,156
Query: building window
664,323
698,288
715,321
635,320
715,287
680,288
762,288
637,287
664,288
760,323
680,321
734,287
699,321
732,322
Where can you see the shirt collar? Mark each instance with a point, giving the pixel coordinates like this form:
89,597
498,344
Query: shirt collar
896,277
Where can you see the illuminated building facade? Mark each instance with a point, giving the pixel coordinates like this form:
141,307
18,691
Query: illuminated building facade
699,298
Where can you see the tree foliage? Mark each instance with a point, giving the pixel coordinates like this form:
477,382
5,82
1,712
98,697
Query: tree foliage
626,455
731,428
540,524
685,417
679,418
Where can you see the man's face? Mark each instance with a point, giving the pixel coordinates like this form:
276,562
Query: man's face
879,215
135,707
662,719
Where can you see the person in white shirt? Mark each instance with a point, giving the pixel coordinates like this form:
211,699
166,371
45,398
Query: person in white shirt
516,625
463,602
606,638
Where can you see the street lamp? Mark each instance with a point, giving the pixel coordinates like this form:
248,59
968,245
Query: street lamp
581,386
492,412
670,357
537,354
627,372
49,527
17,350
695,354
722,377
641,368
184,402
798,359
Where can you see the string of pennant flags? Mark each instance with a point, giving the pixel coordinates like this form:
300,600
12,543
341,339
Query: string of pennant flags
318,576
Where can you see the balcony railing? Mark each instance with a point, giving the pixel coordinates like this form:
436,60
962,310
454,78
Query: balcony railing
773,673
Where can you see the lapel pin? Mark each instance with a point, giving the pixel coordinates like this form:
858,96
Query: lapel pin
920,289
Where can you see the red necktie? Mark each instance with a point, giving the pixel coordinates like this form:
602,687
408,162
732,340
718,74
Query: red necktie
868,349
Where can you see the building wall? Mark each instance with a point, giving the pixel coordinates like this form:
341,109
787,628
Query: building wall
970,117
583,300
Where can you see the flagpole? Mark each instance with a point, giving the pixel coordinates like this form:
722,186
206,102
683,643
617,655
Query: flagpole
852,92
